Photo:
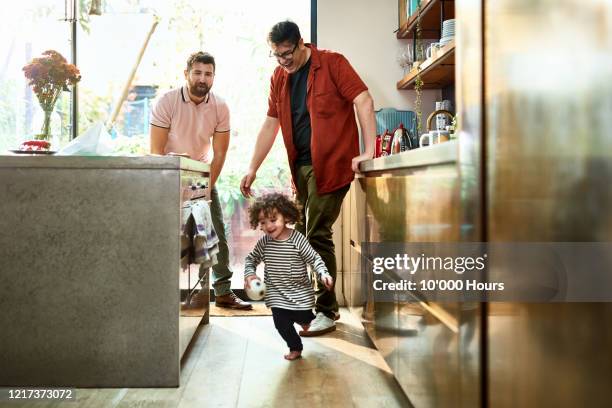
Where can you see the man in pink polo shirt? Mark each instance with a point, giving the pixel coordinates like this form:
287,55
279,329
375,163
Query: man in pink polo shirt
191,119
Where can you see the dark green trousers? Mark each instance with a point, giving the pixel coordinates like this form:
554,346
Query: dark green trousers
222,273
319,212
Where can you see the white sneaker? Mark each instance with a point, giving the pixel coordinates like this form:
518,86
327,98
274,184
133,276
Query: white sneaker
321,324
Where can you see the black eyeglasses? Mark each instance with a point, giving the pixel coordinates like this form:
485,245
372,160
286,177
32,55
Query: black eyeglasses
287,55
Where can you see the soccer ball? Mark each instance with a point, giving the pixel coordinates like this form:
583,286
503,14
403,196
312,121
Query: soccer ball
256,290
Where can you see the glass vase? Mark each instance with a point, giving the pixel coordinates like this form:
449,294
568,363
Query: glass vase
45,132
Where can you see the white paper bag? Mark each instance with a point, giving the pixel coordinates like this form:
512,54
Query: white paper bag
96,141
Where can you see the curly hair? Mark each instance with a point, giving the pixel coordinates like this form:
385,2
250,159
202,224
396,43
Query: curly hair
270,202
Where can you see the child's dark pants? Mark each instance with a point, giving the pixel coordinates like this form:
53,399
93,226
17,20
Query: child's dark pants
284,320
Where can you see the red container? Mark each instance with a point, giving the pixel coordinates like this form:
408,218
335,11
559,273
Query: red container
377,150
385,145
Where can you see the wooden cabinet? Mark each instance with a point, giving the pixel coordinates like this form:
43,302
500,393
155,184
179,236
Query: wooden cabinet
353,234
428,195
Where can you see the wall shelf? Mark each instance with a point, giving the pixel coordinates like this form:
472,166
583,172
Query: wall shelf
436,72
431,12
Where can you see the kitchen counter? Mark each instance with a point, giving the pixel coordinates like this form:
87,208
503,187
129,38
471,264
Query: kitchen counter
442,153
415,196
90,278
106,162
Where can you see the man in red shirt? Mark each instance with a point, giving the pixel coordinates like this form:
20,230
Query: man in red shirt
313,97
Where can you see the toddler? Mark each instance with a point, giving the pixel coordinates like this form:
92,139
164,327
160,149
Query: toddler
285,253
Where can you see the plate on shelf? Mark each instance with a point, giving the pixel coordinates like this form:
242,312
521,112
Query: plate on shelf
47,152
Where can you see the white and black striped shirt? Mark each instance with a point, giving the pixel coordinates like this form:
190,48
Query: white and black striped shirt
288,284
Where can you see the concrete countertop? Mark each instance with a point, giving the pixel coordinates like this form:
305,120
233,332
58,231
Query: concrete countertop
90,268
102,162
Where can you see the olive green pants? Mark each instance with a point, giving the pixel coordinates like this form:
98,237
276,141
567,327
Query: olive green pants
319,212
222,273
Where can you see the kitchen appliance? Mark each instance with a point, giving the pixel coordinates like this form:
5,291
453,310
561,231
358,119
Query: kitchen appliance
437,113
402,140
435,136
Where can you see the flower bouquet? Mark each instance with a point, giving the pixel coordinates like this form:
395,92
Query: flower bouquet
49,75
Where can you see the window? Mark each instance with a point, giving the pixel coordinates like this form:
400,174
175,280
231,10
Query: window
27,30
234,31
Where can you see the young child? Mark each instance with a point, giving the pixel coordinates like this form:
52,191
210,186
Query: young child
285,253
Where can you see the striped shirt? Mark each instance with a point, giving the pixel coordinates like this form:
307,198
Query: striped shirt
288,284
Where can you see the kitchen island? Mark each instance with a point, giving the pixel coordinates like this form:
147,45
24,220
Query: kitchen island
90,260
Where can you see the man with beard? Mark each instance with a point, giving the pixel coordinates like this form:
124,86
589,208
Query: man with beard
189,120
314,95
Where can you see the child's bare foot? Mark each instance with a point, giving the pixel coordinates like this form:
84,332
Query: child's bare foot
293,355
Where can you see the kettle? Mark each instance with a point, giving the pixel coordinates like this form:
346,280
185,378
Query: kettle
433,115
443,135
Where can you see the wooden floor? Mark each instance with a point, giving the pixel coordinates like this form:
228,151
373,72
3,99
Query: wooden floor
238,362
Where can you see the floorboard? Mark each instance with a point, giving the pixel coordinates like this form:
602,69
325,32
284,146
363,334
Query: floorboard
238,362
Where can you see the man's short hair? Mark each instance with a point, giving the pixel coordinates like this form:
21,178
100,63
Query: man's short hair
284,31
203,57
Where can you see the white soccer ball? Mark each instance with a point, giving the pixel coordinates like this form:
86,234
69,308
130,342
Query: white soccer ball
256,290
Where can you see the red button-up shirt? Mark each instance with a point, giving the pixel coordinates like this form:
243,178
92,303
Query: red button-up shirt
332,86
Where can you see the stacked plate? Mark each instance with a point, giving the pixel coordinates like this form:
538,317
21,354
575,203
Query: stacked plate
448,31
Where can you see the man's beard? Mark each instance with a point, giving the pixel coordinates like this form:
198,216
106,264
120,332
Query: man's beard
199,91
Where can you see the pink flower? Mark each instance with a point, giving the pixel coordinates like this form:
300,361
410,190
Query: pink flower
49,75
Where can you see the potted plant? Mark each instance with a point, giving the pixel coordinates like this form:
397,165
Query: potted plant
49,75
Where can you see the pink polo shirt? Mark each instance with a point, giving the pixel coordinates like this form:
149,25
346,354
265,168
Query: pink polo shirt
191,126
